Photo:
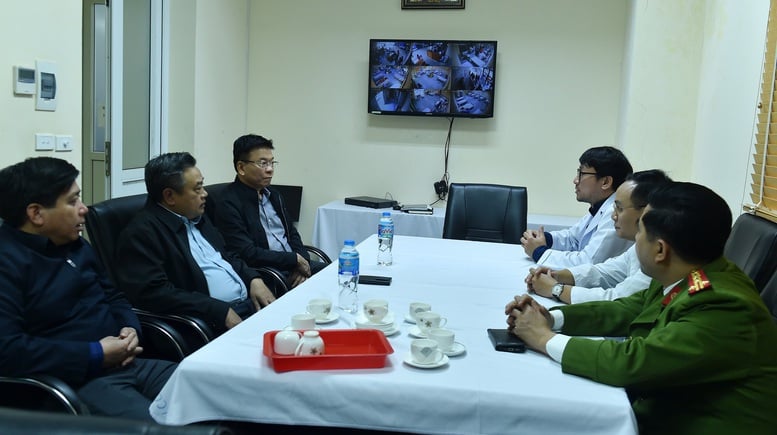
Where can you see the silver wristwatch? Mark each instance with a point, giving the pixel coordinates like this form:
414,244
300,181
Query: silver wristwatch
556,291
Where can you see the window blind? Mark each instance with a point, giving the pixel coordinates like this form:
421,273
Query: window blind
763,173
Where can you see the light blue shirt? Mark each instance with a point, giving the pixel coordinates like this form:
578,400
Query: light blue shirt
224,283
272,224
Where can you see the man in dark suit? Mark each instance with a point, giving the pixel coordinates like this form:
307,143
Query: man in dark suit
252,217
173,259
59,314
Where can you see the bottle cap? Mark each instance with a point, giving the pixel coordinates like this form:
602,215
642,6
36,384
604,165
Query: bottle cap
349,242
386,214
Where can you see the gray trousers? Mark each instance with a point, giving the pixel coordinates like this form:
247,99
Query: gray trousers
127,392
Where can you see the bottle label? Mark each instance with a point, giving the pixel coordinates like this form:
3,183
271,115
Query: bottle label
349,265
386,231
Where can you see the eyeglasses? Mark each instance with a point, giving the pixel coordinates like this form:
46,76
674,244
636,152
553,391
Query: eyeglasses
262,164
581,173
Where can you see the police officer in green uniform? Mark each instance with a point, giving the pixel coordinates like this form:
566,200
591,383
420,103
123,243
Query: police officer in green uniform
700,355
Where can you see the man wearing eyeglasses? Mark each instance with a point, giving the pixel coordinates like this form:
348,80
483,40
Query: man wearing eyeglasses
592,239
617,277
252,216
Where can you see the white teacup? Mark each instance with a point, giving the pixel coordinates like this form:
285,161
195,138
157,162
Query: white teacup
428,320
303,321
418,307
320,308
375,310
444,338
425,351
310,344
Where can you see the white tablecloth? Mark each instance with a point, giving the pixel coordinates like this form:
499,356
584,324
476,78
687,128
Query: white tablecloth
337,221
482,391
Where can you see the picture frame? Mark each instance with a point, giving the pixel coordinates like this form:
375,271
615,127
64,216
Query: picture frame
432,4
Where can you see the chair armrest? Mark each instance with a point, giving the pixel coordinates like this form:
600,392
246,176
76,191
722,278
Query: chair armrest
274,279
161,340
194,331
54,388
319,253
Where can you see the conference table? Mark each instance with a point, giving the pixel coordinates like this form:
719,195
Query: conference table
337,221
481,391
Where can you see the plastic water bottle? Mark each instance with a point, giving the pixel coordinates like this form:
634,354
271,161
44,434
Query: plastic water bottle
348,278
385,239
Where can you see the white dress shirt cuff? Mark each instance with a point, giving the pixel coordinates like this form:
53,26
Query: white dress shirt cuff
558,319
556,345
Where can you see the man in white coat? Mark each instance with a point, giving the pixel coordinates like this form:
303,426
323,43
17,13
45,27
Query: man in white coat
592,239
617,277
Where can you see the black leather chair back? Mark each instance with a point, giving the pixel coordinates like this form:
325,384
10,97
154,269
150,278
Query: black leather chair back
752,245
15,421
769,295
106,220
292,199
486,213
214,191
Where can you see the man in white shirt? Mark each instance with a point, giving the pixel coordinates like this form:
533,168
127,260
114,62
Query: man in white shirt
700,355
618,276
592,239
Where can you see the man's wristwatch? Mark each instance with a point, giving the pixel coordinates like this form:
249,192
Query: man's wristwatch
556,291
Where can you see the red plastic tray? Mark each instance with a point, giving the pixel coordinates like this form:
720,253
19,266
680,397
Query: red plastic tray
343,349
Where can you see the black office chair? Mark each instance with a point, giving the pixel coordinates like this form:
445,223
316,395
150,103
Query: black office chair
486,213
293,204
769,295
40,393
15,421
166,336
752,245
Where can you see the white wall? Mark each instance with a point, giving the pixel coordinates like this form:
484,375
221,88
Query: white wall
693,76
728,96
658,117
558,91
19,121
220,78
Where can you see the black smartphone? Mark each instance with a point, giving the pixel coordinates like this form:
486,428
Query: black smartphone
505,341
374,280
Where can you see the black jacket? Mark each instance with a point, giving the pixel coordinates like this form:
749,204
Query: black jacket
54,302
158,273
237,218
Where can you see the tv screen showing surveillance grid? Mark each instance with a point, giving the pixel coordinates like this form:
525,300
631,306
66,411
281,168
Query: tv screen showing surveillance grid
434,78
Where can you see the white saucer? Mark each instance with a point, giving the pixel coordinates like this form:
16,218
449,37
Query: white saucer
409,361
330,318
409,318
362,321
456,349
389,329
415,331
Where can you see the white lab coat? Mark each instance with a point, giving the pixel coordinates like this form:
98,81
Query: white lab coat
591,240
615,278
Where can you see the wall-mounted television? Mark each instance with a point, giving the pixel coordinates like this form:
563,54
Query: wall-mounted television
424,77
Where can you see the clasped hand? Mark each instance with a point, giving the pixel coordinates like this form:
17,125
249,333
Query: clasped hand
541,280
533,239
121,350
530,321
